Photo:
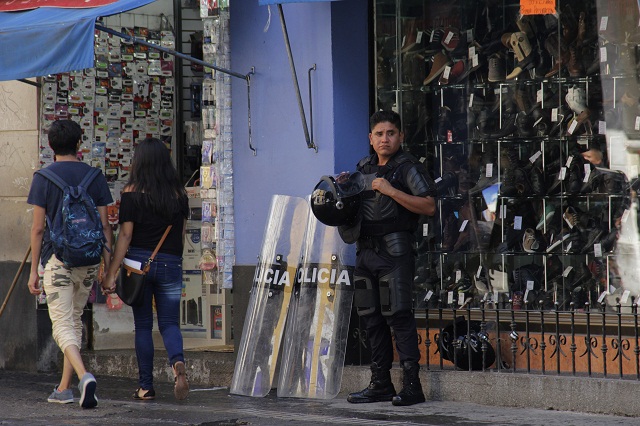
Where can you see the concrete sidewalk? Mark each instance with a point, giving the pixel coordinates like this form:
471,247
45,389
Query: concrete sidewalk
24,395
492,389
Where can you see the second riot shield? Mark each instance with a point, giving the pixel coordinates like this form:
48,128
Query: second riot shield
316,332
270,295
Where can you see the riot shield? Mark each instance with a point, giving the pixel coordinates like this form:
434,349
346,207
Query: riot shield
270,296
318,322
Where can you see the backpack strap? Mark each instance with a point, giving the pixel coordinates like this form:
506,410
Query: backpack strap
57,180
60,183
89,177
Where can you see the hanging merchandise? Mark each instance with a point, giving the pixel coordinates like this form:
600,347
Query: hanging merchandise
126,98
216,173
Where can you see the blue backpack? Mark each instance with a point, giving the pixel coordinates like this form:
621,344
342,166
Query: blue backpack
76,234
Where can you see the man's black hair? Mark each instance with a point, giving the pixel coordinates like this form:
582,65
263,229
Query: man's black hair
64,136
385,117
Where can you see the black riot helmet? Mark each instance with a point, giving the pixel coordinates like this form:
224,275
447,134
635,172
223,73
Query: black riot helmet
336,201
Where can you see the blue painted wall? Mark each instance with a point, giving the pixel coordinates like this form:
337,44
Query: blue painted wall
332,35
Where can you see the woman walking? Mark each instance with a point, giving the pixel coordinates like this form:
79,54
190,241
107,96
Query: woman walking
152,200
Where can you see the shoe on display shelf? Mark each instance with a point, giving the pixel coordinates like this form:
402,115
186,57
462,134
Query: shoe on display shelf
453,73
440,62
434,39
496,68
525,55
530,243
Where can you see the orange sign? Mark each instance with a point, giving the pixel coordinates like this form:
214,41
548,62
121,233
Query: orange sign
537,7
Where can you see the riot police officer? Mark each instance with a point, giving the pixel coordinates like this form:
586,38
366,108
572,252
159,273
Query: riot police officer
398,190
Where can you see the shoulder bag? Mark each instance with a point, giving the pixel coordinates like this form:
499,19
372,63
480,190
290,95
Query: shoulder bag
130,287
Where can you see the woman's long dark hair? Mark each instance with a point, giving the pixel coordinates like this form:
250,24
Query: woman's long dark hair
153,173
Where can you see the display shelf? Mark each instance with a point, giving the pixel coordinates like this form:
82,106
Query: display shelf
548,138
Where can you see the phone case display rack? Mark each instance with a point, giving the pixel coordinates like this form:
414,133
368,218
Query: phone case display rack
127,97
530,127
216,172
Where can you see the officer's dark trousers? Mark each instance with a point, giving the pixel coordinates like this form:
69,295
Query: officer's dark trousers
376,264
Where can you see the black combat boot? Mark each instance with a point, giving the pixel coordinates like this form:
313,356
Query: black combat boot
411,392
380,389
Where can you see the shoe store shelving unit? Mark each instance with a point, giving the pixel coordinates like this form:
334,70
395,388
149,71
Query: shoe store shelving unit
530,127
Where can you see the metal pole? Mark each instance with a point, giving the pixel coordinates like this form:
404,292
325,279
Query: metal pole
136,40
296,86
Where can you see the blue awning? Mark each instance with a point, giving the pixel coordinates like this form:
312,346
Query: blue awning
51,40
266,2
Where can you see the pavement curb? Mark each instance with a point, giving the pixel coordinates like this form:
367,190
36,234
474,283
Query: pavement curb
565,393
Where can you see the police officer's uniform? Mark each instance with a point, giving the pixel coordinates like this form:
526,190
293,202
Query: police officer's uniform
384,269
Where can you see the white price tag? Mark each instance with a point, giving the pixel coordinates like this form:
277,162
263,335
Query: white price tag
438,180
603,23
563,173
464,225
597,250
471,96
460,298
489,171
568,249
587,173
428,295
425,229
554,115
567,271
431,36
603,54
602,296
529,285
458,275
625,296
539,96
419,37
602,127
446,72
479,271
472,51
448,38
526,295
450,297
475,61
572,126
534,157
569,160
517,223
469,35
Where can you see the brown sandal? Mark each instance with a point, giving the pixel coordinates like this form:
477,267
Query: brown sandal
181,388
144,395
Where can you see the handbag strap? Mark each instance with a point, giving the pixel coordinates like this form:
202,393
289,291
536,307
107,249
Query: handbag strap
164,236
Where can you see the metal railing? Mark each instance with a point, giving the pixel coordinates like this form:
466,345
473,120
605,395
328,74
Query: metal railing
586,340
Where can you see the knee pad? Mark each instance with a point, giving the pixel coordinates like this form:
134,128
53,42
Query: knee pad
366,299
395,291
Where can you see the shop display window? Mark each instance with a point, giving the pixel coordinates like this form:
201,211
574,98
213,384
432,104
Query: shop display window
530,127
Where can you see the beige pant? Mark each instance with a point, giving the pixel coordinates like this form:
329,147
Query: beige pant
67,292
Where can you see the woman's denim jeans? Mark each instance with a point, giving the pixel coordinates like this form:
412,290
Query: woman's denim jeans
164,284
